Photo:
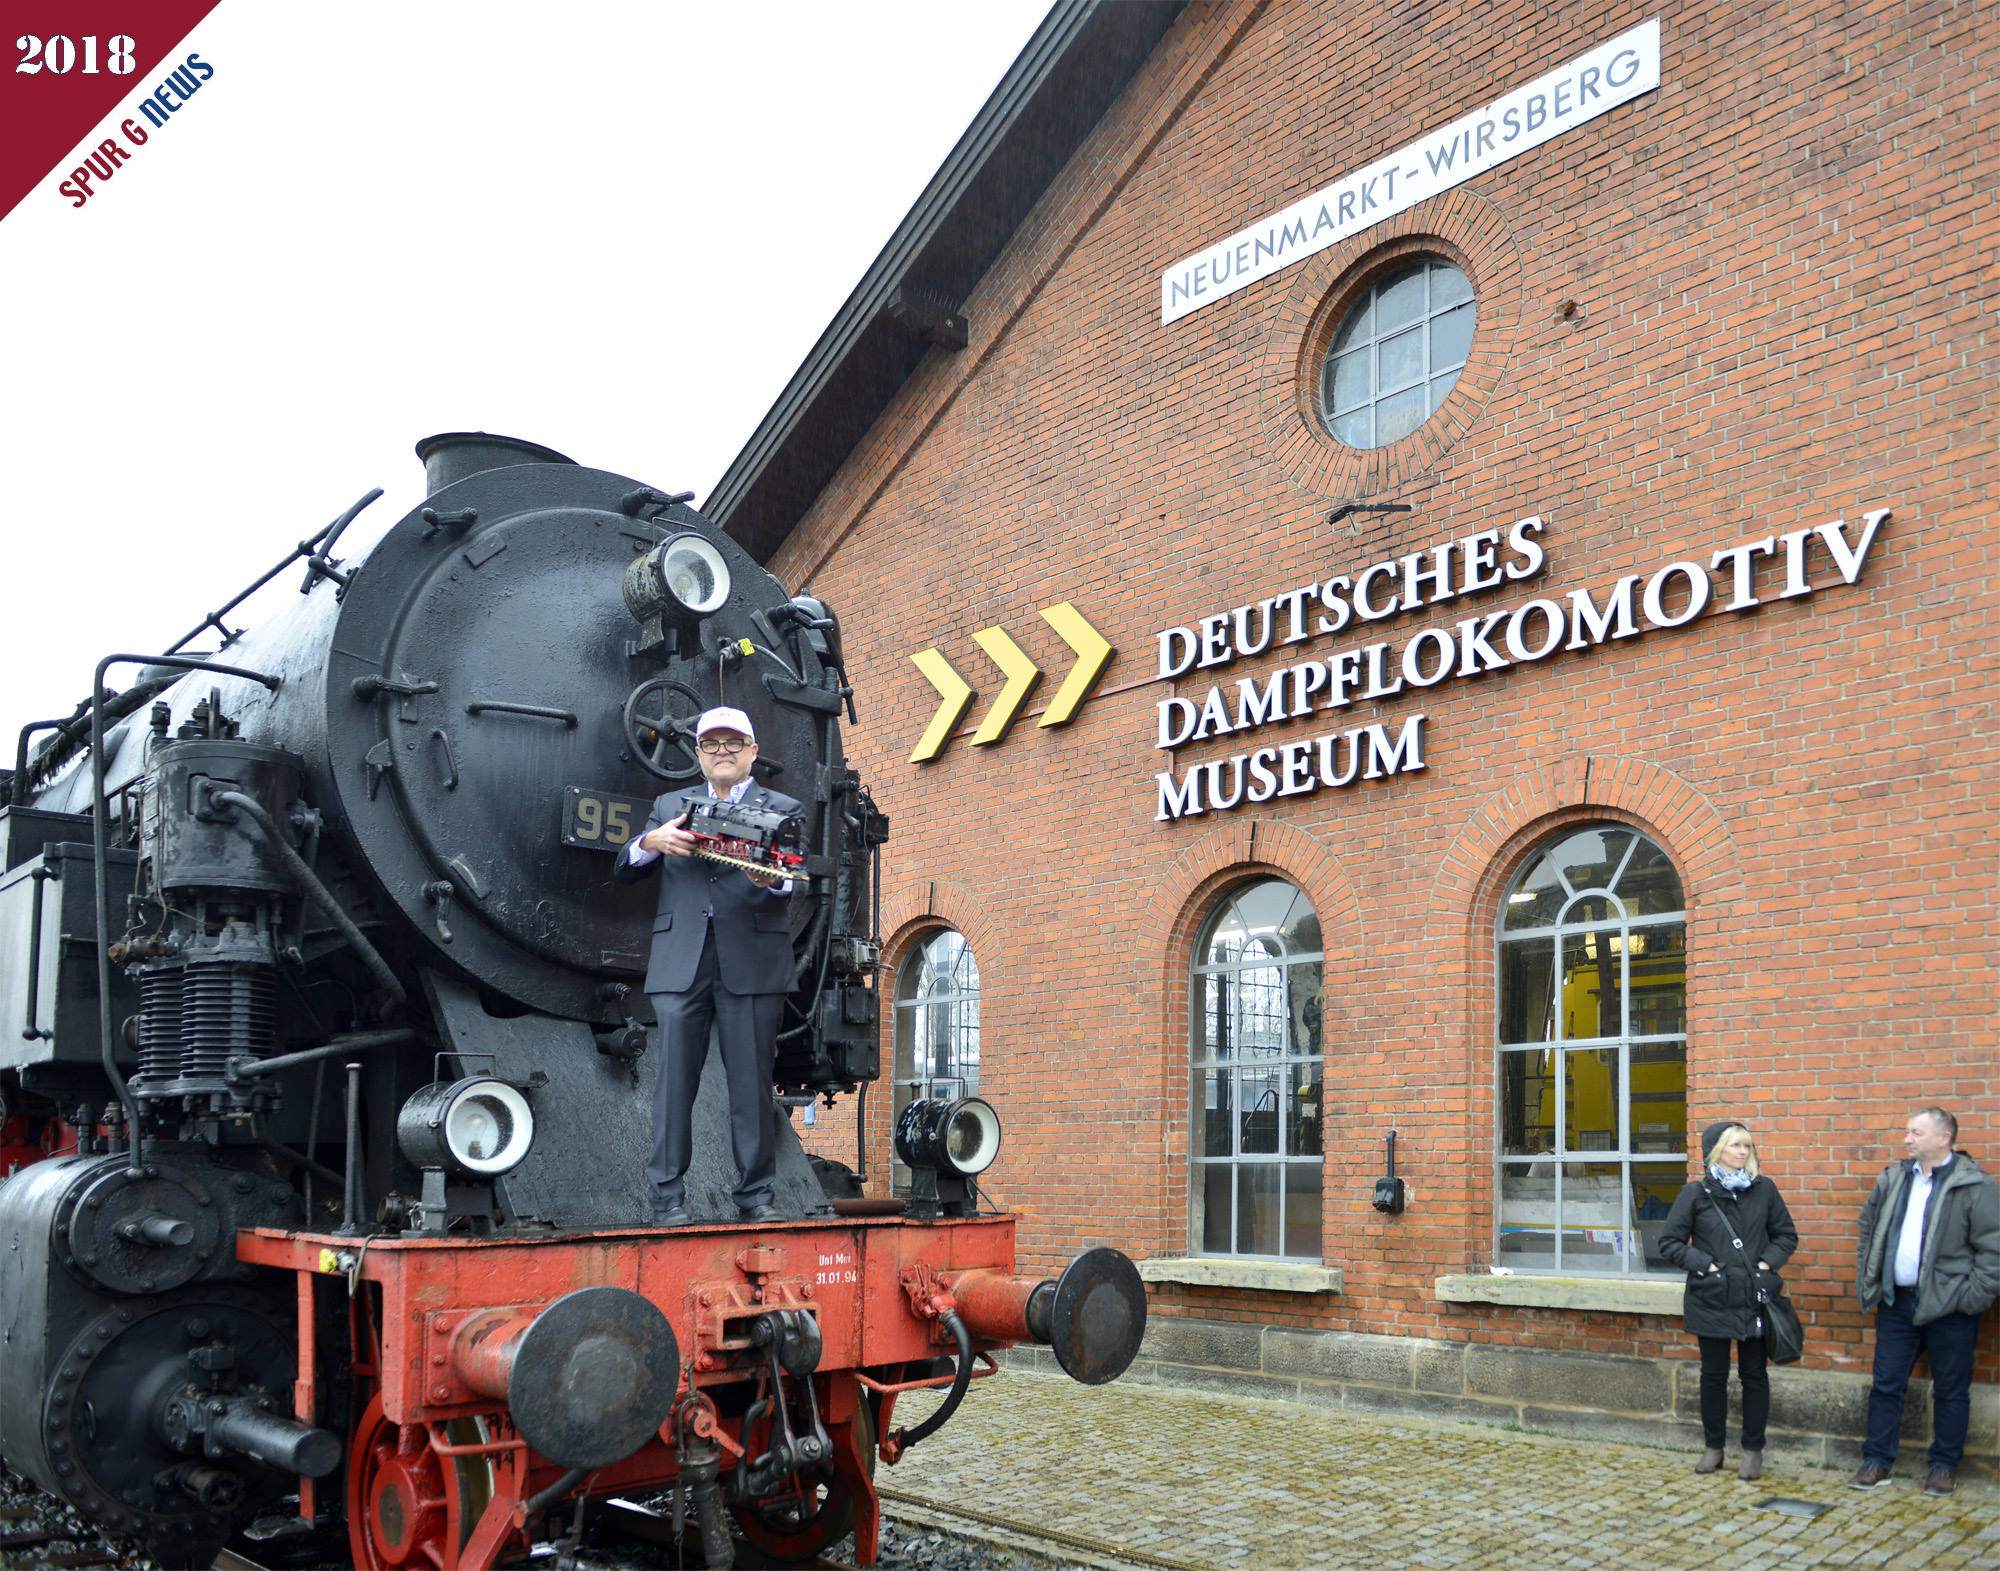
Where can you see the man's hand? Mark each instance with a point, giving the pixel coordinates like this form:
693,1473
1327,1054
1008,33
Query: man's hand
762,880
672,839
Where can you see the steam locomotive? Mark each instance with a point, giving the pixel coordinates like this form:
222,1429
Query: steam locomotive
327,1085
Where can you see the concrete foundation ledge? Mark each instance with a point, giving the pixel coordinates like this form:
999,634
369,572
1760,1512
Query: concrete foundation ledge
1817,1415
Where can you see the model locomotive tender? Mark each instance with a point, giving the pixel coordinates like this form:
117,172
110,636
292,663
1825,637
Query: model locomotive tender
326,1082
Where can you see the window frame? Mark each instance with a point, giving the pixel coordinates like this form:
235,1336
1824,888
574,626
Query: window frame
1367,298
1201,1061
1617,930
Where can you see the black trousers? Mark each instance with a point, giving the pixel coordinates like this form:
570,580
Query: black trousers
746,1029
1715,1391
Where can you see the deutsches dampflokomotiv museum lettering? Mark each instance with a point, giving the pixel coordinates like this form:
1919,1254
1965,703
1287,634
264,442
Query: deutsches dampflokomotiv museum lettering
1613,73
1672,595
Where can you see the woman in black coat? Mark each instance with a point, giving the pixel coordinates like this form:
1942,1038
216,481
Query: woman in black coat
1731,1232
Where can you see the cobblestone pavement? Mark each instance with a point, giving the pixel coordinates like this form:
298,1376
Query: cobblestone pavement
1214,1481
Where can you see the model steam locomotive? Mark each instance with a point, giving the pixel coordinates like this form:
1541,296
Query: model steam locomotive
327,1085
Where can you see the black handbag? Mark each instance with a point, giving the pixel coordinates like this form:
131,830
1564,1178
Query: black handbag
1784,1336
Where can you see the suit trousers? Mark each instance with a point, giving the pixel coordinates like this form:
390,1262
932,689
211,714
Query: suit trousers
746,1029
1950,1341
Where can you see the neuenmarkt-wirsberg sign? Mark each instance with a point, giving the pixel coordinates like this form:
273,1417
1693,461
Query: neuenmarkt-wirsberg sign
1609,75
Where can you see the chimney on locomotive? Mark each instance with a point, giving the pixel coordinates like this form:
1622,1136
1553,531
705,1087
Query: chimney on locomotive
452,456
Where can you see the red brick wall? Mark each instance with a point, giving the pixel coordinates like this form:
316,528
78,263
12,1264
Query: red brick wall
1780,264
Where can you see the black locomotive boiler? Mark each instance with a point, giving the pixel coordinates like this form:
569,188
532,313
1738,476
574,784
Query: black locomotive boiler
327,1084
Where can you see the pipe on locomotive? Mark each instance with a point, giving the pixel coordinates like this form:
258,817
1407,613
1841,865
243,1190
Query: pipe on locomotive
314,890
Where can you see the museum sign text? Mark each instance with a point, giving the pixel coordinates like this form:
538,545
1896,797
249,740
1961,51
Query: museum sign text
1672,595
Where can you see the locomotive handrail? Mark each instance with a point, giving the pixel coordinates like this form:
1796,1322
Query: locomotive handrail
32,1031
72,729
305,548
536,711
18,787
929,1382
100,810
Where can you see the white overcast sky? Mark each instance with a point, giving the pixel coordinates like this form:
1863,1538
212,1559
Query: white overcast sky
611,227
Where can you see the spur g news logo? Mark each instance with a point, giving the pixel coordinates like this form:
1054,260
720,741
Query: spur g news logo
955,694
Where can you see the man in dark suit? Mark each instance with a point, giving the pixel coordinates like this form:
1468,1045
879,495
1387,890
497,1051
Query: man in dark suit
722,955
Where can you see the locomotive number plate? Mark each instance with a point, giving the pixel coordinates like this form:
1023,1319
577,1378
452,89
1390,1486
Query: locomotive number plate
601,820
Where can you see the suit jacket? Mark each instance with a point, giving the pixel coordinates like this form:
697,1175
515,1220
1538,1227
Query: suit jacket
753,940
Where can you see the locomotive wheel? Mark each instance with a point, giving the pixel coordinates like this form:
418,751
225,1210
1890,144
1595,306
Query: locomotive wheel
799,1527
405,1507
650,714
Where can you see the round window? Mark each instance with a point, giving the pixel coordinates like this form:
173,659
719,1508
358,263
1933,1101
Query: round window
1398,353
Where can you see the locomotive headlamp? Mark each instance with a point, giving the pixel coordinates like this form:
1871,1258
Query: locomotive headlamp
673,588
480,1127
694,575
960,1136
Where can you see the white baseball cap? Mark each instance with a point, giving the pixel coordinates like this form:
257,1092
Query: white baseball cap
724,719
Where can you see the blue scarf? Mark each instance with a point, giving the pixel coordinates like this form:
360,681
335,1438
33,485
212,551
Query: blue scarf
1735,1182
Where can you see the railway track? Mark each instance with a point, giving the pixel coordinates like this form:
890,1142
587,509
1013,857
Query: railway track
40,1534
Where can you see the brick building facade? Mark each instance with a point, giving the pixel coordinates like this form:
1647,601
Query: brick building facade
1744,304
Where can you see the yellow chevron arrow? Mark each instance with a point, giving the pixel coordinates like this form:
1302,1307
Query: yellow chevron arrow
1092,655
956,694
1021,673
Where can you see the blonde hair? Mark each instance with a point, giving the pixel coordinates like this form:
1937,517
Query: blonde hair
1736,1132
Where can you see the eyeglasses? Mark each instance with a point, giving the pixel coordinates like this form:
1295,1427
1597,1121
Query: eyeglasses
731,745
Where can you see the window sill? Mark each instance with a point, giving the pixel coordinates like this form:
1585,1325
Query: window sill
1270,1276
1646,1296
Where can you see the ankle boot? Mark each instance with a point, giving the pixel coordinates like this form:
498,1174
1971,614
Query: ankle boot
1753,1465
1711,1459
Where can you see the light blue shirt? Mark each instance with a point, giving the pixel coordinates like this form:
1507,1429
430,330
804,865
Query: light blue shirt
1910,1242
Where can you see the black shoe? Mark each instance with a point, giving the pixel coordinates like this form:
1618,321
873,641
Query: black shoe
671,1216
1872,1475
762,1212
1941,1481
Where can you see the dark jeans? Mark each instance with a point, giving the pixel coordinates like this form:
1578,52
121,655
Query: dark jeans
1715,1391
1949,1340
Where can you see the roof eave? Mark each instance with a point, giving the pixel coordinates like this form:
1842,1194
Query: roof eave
1057,89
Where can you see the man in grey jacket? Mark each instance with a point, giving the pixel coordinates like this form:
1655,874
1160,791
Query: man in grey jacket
1929,1266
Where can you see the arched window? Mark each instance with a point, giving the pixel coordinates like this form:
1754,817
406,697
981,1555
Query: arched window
1255,1132
1592,944
937,1027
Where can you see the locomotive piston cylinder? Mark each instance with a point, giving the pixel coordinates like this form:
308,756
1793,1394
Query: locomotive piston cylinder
241,1425
588,1380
